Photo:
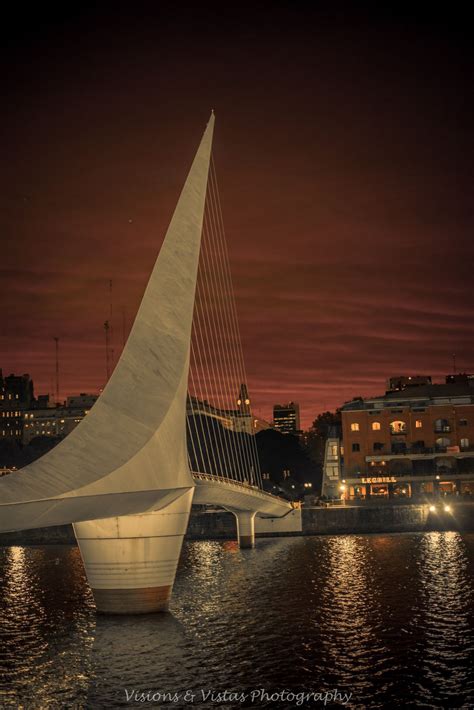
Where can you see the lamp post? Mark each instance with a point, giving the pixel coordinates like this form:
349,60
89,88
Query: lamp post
342,488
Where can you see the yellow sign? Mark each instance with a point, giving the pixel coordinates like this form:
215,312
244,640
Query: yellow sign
380,479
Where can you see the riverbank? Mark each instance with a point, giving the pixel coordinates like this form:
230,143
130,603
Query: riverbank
341,520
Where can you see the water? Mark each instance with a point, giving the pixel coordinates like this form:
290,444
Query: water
387,618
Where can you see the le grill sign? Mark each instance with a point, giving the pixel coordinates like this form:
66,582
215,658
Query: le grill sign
380,479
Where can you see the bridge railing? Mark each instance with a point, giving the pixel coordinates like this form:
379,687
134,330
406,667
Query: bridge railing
240,485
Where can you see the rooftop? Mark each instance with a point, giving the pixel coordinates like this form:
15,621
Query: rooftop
420,395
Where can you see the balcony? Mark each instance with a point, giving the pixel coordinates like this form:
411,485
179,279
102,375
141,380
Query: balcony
444,429
420,452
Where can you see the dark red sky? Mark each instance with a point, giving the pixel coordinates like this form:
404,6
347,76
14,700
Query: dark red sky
344,153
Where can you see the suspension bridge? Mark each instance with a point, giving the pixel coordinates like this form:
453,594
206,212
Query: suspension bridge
173,425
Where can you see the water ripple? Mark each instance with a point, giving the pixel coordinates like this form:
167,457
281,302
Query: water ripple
387,618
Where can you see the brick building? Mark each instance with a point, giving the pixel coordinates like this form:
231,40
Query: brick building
417,439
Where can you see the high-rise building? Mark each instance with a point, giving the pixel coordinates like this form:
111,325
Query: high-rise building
286,418
16,395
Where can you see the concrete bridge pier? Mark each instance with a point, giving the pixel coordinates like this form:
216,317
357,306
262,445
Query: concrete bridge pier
245,528
131,561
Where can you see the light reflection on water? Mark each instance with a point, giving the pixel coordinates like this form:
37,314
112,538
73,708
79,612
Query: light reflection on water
386,617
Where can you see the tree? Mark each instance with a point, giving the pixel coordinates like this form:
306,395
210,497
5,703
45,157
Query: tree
325,421
286,460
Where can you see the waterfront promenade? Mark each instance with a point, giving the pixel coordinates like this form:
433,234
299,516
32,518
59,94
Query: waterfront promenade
337,520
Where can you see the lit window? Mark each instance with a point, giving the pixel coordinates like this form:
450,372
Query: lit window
464,443
398,427
334,449
418,424
376,426
354,426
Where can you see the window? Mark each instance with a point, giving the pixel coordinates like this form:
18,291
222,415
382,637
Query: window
418,446
398,427
354,426
418,424
442,426
463,422
399,447
375,426
464,443
378,446
355,447
443,442
334,450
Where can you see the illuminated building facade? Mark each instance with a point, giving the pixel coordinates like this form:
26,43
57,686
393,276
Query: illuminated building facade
240,419
414,440
55,421
286,418
16,395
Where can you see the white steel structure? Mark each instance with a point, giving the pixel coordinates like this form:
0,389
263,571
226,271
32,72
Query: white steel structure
123,476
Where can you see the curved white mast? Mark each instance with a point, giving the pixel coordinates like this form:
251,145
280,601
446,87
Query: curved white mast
129,454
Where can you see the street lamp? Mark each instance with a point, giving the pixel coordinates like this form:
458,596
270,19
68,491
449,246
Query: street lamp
342,488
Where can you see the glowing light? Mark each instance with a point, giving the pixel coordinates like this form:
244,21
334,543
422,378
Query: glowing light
447,508
432,508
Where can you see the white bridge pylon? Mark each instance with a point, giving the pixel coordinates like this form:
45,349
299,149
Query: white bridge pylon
122,477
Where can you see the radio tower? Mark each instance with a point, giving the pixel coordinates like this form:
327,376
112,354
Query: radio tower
107,350
56,340
111,324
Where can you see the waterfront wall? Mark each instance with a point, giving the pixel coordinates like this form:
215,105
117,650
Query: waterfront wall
221,525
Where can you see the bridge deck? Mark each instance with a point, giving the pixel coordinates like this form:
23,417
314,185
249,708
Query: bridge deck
235,495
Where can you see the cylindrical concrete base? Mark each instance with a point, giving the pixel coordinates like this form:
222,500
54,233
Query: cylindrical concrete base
132,601
245,528
131,561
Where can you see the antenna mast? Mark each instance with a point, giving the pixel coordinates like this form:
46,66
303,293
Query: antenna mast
111,315
123,326
107,349
56,340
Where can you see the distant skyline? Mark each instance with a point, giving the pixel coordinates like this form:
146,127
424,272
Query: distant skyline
344,156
